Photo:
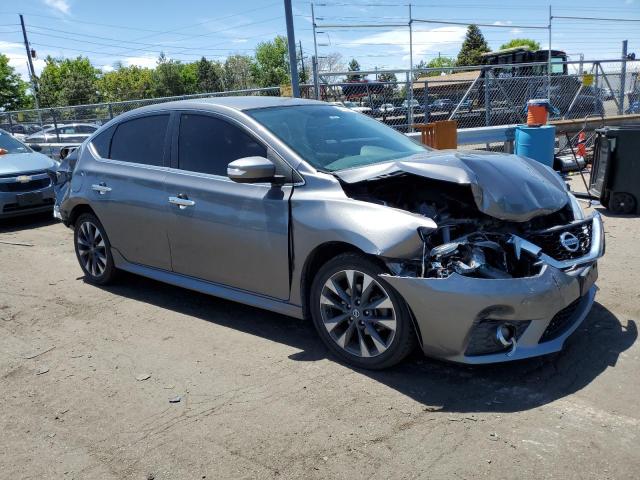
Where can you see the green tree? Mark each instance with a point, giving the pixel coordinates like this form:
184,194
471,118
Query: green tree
13,90
68,81
210,76
271,65
443,64
126,83
238,72
391,81
167,78
354,66
473,47
521,42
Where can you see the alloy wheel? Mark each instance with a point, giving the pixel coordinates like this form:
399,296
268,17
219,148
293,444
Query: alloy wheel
92,249
358,313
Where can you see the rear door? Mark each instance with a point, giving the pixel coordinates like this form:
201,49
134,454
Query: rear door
232,234
127,187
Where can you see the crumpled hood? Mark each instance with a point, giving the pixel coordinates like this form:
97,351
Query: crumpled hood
508,187
18,163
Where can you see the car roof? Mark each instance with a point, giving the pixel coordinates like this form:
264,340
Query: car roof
239,103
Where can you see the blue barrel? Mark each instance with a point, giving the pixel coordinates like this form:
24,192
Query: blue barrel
537,143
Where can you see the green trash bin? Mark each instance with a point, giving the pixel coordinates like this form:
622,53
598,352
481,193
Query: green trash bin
615,173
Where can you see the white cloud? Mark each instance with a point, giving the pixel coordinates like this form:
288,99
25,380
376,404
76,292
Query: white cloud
145,62
18,59
107,68
424,41
500,23
61,6
515,31
239,40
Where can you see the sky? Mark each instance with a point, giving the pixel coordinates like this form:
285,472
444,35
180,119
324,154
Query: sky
134,32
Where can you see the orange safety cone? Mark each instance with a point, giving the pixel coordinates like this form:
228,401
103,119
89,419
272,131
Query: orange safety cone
582,149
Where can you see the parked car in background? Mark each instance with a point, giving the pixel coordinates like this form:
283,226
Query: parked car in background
442,105
20,130
415,105
67,133
357,108
385,109
633,108
25,186
311,210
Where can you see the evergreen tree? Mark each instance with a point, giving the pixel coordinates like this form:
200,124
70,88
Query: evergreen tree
354,66
473,47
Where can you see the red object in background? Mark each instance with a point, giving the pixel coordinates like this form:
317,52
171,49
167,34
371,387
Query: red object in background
582,149
3,151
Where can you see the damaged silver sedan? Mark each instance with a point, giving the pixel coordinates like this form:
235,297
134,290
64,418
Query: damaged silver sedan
312,210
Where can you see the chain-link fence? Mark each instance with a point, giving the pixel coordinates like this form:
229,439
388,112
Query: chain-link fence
489,96
473,96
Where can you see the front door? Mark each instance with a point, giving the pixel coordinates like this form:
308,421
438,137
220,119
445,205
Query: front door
221,231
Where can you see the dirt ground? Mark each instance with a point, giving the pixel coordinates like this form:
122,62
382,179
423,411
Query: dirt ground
261,398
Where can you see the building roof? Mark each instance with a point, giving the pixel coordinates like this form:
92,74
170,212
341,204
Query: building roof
451,79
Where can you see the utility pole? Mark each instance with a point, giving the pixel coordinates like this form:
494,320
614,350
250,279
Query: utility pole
32,72
304,72
314,66
623,77
293,64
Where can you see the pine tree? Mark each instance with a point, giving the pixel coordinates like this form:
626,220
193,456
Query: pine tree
473,47
354,66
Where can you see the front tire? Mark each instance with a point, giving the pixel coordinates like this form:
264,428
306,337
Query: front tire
93,250
358,316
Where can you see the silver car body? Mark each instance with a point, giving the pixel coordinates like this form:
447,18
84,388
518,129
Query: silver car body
257,244
25,186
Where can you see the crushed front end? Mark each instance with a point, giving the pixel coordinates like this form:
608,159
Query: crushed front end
495,281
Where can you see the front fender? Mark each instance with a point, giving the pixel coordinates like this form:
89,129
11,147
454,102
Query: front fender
374,229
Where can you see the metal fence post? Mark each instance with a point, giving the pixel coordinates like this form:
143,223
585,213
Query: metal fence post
110,111
55,124
623,77
10,124
487,98
409,96
425,104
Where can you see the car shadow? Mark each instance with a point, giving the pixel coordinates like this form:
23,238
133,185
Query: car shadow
439,386
27,222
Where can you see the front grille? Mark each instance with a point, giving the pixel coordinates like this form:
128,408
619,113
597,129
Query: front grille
549,241
561,322
483,339
25,187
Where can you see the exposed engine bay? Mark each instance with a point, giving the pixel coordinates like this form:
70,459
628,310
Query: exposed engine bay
467,241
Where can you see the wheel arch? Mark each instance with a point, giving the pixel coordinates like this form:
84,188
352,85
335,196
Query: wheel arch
317,258
79,210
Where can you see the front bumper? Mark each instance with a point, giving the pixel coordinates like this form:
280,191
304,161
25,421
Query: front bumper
548,306
41,199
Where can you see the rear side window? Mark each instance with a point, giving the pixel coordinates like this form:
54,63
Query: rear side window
140,140
102,142
208,144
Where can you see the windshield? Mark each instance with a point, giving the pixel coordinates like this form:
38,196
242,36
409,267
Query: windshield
334,138
11,145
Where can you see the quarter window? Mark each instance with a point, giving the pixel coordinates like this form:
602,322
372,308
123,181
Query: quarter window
207,144
140,140
102,142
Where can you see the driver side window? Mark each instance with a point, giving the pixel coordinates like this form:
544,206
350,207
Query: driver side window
207,144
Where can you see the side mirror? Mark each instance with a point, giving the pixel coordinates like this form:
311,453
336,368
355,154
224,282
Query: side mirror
252,170
35,147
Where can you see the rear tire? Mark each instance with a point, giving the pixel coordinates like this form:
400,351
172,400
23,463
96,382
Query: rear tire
358,315
622,202
93,250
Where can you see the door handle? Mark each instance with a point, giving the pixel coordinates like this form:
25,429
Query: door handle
181,201
101,188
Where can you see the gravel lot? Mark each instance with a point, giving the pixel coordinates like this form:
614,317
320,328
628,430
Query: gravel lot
260,398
